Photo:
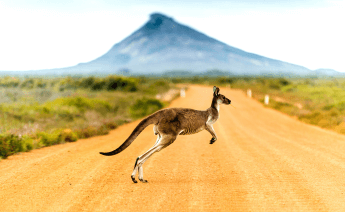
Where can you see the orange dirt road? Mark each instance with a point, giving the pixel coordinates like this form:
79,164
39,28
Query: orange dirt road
263,160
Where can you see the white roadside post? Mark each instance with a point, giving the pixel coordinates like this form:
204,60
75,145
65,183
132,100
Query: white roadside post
249,93
267,99
182,92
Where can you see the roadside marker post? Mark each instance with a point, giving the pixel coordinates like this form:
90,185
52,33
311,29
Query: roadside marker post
182,92
267,99
249,93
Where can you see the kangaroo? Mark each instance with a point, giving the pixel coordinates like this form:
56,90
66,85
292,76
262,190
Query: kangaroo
171,122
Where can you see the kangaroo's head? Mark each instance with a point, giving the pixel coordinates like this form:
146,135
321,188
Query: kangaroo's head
221,99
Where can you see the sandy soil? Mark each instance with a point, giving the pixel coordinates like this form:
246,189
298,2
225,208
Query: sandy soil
263,160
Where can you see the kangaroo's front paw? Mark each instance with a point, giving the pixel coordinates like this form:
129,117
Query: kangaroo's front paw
213,140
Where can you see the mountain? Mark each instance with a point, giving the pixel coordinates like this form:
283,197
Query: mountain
163,45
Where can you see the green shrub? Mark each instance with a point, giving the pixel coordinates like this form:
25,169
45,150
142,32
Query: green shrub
46,110
28,83
10,144
334,112
86,132
340,128
143,107
225,80
273,84
110,125
120,83
28,143
92,131
284,82
280,105
9,82
98,85
69,83
196,79
177,80
80,102
312,118
87,82
48,139
70,107
158,86
16,144
41,84
67,113
341,106
67,135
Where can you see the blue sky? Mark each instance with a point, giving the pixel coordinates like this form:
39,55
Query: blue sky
36,34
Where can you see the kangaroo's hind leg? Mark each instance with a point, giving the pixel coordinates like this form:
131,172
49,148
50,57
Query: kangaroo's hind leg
136,167
165,141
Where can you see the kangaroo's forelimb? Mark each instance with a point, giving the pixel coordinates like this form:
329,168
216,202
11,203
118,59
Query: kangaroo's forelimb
210,129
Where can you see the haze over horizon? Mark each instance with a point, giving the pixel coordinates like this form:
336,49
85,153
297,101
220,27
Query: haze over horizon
38,35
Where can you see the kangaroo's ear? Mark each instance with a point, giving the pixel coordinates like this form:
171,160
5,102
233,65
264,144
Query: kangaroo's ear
216,90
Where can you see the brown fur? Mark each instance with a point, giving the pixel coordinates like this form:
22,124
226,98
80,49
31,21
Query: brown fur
171,122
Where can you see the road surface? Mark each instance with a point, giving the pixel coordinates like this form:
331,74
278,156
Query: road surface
263,160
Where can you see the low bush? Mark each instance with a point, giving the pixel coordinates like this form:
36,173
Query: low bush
48,139
225,80
110,125
28,143
91,131
120,83
143,107
67,135
340,128
86,132
10,144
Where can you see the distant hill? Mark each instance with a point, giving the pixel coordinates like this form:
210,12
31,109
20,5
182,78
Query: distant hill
163,45
327,72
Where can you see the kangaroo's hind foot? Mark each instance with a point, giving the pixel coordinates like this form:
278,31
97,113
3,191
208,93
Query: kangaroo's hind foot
141,174
133,179
135,171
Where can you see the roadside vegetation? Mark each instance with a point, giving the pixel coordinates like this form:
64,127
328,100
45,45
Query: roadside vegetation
38,112
41,112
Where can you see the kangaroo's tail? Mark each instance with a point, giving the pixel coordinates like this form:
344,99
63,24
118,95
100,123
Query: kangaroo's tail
141,126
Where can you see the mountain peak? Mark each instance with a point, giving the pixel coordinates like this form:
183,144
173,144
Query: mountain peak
157,20
154,17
